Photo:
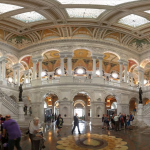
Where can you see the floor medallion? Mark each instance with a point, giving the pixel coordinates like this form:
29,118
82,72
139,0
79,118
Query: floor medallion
91,142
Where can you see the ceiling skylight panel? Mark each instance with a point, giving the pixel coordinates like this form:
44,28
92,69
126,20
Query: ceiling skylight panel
96,2
28,17
84,12
133,20
8,7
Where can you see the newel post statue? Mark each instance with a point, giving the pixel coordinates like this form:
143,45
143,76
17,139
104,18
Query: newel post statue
21,104
140,106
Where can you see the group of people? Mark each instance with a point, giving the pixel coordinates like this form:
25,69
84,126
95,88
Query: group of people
51,117
117,122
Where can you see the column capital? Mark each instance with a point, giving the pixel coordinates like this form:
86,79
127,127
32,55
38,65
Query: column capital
94,57
62,54
16,66
140,69
100,56
37,58
123,62
3,58
27,71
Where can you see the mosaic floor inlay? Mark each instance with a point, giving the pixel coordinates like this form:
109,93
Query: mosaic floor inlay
91,142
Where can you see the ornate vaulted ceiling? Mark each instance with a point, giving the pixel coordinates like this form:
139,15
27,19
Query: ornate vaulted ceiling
27,22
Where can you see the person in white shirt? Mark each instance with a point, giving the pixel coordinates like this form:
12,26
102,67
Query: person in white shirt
34,131
116,119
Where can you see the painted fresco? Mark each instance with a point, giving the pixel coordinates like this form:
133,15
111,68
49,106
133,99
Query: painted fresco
113,37
82,31
139,44
19,41
28,61
81,53
48,34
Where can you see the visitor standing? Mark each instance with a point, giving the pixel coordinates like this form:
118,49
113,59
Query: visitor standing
25,109
116,119
14,133
30,111
59,124
35,131
76,123
131,121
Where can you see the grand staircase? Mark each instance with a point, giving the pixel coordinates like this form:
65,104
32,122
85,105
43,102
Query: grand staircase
9,106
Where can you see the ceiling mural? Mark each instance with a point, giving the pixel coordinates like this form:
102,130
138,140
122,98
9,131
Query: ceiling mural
28,61
19,41
139,44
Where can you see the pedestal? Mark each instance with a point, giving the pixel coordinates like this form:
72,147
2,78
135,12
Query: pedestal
21,112
36,82
66,79
140,112
98,80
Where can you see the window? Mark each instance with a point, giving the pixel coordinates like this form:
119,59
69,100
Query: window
80,71
115,75
10,79
97,72
145,81
43,73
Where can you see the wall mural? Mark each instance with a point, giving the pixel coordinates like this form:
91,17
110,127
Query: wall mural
81,57
19,41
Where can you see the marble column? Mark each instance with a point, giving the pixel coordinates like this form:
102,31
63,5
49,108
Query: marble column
40,67
18,76
100,65
34,68
131,80
3,69
14,75
69,65
62,64
29,76
25,77
125,72
94,65
142,81
21,112
120,63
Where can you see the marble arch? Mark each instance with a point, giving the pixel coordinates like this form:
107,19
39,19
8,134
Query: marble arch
82,90
79,102
113,53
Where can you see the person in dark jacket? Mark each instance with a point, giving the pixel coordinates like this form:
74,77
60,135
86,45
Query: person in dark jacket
59,124
76,123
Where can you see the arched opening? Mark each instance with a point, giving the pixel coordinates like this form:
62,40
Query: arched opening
133,106
145,101
49,111
82,106
111,105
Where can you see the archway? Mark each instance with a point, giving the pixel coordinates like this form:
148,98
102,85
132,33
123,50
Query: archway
82,105
111,105
133,106
49,112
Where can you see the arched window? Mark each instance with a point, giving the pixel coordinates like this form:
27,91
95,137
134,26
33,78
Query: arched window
80,70
115,74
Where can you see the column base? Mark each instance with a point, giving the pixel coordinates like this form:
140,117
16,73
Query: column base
66,79
98,80
96,121
36,82
21,112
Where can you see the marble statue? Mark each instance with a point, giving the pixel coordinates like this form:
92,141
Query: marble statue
20,92
140,95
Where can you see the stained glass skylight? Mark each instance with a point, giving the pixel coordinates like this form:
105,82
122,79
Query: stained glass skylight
96,2
28,17
8,7
84,12
133,20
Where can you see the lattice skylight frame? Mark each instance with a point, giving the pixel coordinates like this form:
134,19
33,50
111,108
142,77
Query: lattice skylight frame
84,12
133,20
29,17
96,2
4,8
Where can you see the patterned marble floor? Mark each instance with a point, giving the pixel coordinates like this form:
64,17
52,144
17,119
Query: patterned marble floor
92,138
